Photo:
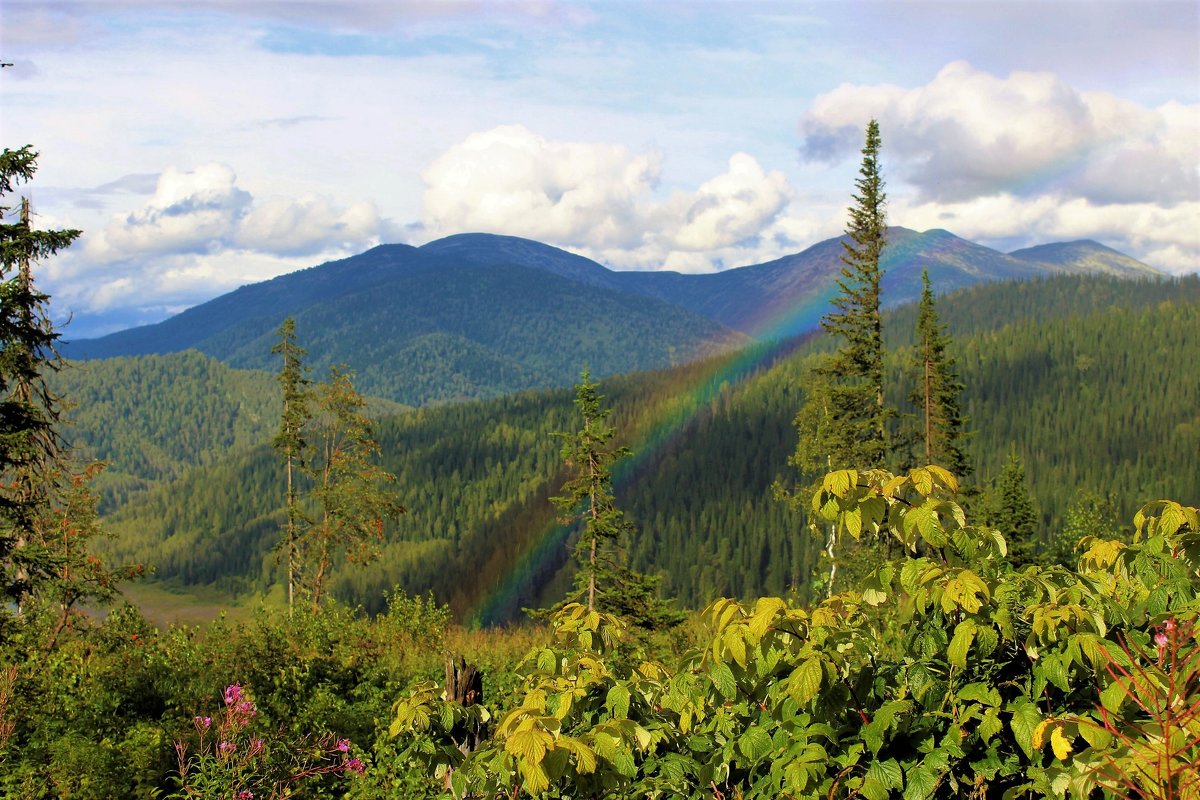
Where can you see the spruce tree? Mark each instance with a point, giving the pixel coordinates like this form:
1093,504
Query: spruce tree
31,451
843,422
603,579
290,440
1009,508
938,392
856,434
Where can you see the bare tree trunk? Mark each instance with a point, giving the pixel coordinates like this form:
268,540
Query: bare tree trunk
464,685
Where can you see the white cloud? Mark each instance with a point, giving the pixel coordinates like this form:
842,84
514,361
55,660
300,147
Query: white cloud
597,198
511,180
190,212
204,211
969,134
308,225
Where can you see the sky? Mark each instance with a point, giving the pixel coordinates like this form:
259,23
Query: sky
201,146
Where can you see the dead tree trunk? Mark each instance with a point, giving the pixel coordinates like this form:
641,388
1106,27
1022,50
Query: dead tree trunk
464,685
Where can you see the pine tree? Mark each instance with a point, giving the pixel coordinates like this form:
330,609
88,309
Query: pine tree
603,579
290,440
856,433
31,451
938,392
348,490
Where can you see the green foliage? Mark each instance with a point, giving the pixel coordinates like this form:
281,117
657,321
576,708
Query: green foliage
603,580
946,674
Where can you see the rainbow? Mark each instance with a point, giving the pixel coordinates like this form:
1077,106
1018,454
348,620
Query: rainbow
777,334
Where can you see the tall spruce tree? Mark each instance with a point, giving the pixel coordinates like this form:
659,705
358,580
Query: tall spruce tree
843,423
855,435
938,392
290,441
603,579
31,452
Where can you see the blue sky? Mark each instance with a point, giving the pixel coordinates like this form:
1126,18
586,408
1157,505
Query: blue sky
205,145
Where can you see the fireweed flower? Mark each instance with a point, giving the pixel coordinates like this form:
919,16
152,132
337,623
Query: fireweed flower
1160,639
233,694
343,745
354,765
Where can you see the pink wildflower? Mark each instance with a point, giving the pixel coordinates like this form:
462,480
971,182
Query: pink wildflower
233,694
1160,639
343,745
353,765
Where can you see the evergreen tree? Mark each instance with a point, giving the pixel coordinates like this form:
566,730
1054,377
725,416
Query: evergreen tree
31,451
348,489
1009,508
603,580
843,423
856,432
290,440
938,392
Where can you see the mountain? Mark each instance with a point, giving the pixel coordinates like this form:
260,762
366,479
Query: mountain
1056,367
480,315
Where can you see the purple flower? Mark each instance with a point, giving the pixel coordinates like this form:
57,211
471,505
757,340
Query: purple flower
203,723
233,694
227,747
245,794
1160,639
353,765
343,745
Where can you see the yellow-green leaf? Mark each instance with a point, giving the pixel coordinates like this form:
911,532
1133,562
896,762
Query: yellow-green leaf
956,653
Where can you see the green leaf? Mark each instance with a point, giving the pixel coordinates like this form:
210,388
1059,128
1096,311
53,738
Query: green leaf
736,645
980,693
1113,696
754,743
529,745
922,783
722,678
990,725
964,632
1025,719
886,773
805,681
617,701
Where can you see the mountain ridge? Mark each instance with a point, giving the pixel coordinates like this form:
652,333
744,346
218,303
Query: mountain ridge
535,315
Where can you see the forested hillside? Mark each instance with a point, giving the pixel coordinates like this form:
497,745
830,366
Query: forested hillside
1087,380
153,418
